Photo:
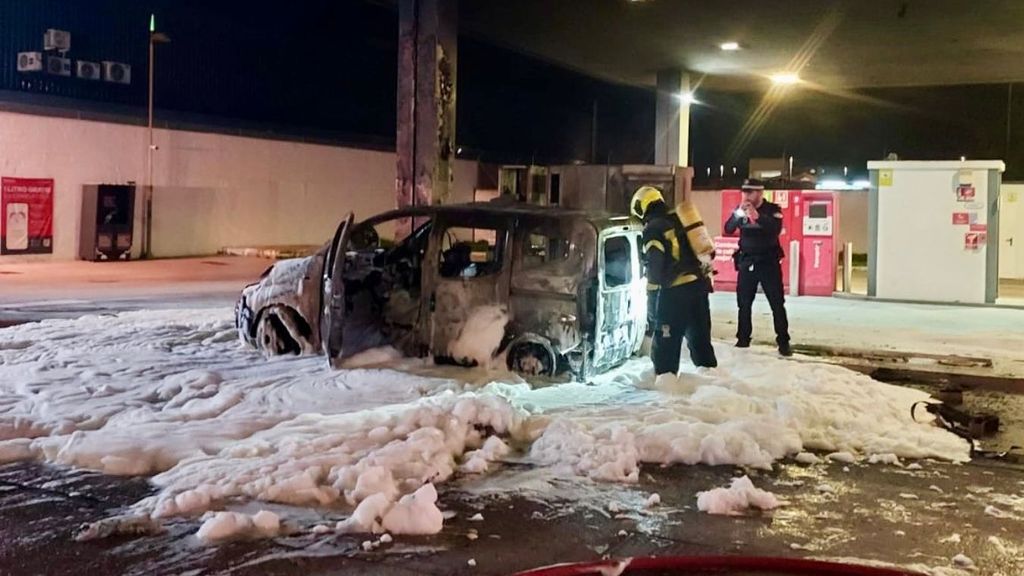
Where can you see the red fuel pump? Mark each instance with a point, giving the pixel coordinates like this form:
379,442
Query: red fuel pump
810,218
820,223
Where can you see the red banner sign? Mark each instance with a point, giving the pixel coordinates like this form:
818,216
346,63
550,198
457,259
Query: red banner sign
26,216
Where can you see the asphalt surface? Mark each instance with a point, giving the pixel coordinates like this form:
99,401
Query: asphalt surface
872,512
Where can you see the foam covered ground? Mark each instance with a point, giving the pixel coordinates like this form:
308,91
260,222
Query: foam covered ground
173,395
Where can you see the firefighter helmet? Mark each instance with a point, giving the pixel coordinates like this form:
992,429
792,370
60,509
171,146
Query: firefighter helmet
642,200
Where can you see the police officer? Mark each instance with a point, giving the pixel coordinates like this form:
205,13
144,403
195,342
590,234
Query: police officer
681,283
758,261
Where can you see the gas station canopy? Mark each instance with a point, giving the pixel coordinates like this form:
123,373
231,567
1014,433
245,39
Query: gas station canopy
848,44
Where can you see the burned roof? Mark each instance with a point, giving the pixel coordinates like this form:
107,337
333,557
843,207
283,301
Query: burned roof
599,219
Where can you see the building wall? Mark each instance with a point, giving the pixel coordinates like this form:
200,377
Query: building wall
853,220
210,190
1011,231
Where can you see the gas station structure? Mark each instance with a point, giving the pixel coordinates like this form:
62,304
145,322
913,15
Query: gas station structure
239,196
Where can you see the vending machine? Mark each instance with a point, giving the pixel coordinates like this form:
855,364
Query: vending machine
106,230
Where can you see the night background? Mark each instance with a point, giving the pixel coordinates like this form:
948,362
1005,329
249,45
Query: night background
326,71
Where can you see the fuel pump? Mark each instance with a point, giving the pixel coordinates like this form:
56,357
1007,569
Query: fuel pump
817,248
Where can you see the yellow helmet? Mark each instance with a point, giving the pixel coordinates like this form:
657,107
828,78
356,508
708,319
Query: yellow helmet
642,200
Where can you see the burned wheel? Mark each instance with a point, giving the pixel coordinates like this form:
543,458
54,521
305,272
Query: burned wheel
532,359
273,336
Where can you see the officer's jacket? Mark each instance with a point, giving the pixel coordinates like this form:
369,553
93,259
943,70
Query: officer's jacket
759,241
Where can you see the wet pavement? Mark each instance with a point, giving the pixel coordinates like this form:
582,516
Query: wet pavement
875,512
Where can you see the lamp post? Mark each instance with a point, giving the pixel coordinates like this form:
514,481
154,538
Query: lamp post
147,218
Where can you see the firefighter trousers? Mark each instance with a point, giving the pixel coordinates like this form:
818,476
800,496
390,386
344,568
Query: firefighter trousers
769,276
683,311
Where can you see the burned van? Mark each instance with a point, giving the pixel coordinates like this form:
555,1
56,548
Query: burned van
567,288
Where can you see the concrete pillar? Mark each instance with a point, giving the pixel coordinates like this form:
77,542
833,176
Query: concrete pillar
427,43
672,125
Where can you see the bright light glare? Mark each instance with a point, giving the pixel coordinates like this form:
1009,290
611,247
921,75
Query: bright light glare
786,78
729,46
842,185
831,185
687,98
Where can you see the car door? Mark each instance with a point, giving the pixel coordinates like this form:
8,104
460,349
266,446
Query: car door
622,306
332,294
454,292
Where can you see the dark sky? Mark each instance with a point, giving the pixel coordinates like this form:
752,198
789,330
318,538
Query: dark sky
329,67
821,129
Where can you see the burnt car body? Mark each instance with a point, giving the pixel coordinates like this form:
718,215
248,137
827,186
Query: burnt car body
571,282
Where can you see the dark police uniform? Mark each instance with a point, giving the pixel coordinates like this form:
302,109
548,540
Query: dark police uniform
758,261
681,303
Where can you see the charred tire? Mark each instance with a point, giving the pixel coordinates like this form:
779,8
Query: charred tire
532,356
272,335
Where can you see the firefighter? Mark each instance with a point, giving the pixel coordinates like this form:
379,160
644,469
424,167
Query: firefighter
758,261
678,252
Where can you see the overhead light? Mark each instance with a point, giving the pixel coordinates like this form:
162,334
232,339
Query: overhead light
687,98
786,78
729,46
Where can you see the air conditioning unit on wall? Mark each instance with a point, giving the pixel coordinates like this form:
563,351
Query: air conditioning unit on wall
117,72
58,66
30,61
88,70
57,40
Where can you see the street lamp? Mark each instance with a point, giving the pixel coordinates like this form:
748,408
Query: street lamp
147,237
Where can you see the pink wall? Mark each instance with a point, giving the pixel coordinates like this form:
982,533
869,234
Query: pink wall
211,190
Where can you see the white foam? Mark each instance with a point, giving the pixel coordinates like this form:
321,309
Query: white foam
168,393
228,525
480,336
739,496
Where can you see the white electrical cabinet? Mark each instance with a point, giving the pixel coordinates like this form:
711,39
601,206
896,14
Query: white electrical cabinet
934,231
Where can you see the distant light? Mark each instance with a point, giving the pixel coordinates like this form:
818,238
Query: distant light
963,158
721,170
842,185
458,150
733,170
785,78
152,22
846,170
687,98
729,46
709,171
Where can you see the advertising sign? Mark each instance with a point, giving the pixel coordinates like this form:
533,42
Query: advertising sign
965,193
26,216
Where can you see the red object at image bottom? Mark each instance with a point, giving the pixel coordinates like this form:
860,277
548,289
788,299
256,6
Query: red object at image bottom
718,565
